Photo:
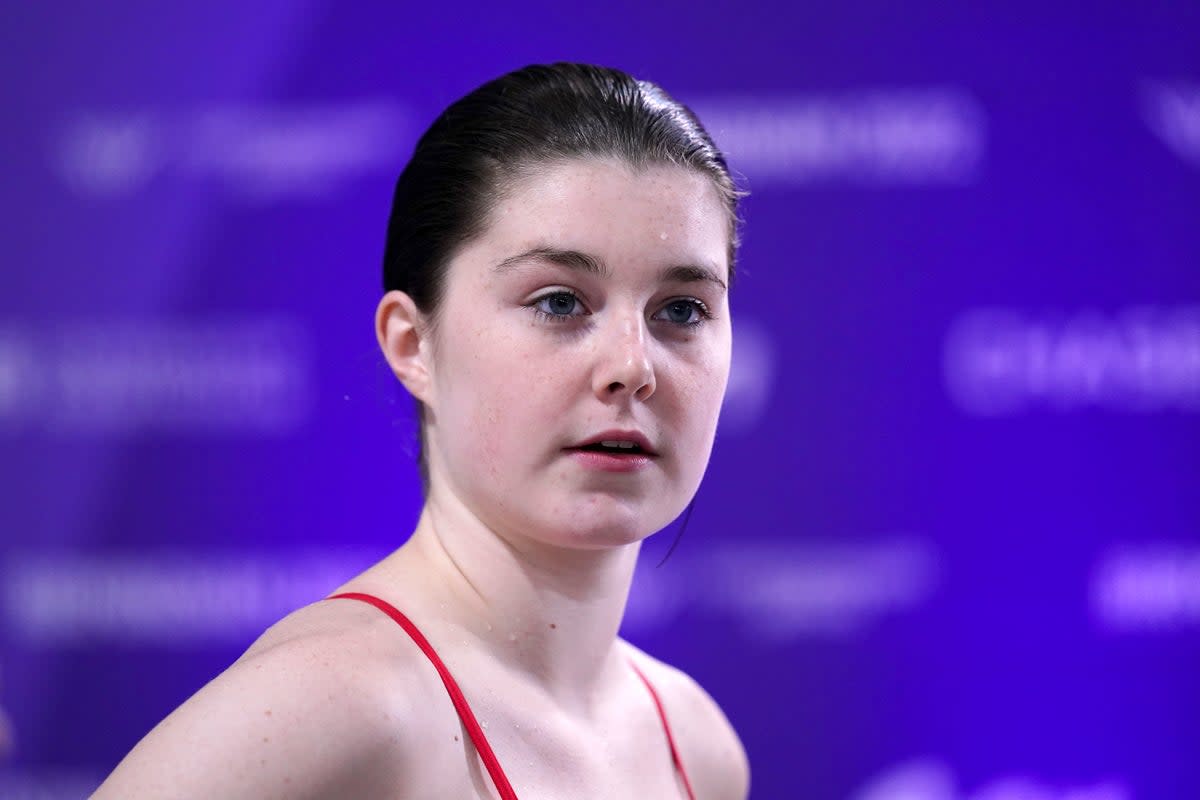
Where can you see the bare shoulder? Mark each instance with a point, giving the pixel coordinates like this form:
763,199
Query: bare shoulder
311,710
709,746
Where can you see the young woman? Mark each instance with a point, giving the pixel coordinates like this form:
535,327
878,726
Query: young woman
556,275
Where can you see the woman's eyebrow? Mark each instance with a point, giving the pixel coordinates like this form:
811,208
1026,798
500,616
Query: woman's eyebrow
572,259
690,274
576,260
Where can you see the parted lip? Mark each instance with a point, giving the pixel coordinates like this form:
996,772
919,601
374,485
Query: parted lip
619,436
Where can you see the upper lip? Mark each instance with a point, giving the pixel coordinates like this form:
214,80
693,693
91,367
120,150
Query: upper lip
637,437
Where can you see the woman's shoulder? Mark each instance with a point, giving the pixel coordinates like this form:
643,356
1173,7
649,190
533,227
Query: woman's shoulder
711,751
330,625
318,706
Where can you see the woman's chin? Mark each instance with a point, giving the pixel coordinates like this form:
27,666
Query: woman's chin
592,530
599,528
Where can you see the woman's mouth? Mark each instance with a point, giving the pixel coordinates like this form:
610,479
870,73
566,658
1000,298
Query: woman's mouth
611,456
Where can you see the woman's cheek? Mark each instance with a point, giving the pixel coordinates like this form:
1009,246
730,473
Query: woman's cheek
486,434
503,406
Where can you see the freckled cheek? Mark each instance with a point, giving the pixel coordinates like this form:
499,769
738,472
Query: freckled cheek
696,401
701,380
485,436
501,403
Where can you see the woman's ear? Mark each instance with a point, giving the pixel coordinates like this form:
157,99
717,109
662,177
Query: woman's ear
402,331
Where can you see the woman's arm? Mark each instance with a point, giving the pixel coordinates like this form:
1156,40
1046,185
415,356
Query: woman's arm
299,720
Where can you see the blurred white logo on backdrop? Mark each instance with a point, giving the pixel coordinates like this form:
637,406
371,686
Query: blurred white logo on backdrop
40,782
751,377
912,135
172,599
908,135
109,377
181,598
779,592
17,365
260,153
1001,361
930,779
1147,588
1172,112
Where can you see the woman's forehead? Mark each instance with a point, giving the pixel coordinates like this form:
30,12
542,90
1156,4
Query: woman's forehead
612,213
589,264
598,181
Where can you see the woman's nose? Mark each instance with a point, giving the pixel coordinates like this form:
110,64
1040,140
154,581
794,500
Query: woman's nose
623,365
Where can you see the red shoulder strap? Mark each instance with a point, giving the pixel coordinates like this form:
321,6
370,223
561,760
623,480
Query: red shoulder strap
474,730
460,702
662,715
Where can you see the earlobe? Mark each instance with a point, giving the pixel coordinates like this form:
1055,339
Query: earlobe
401,328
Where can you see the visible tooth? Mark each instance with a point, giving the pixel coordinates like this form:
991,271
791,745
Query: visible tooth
624,445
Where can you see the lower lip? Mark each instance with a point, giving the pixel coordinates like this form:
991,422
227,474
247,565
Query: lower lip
611,462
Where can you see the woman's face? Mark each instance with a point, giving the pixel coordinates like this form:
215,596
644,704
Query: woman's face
595,301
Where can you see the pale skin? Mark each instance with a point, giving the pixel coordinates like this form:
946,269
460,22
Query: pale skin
520,566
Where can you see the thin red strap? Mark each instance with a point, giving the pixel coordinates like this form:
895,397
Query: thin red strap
687,784
460,702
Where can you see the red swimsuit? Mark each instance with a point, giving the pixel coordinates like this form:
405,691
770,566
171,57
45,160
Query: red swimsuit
468,718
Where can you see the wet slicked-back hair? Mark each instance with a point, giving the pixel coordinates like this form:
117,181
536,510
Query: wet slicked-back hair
534,116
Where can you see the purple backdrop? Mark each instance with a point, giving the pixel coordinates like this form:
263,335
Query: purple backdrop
948,545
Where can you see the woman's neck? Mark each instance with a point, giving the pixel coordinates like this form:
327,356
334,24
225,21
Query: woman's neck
548,614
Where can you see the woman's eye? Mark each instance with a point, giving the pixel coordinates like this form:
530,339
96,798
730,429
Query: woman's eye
564,306
557,306
685,312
